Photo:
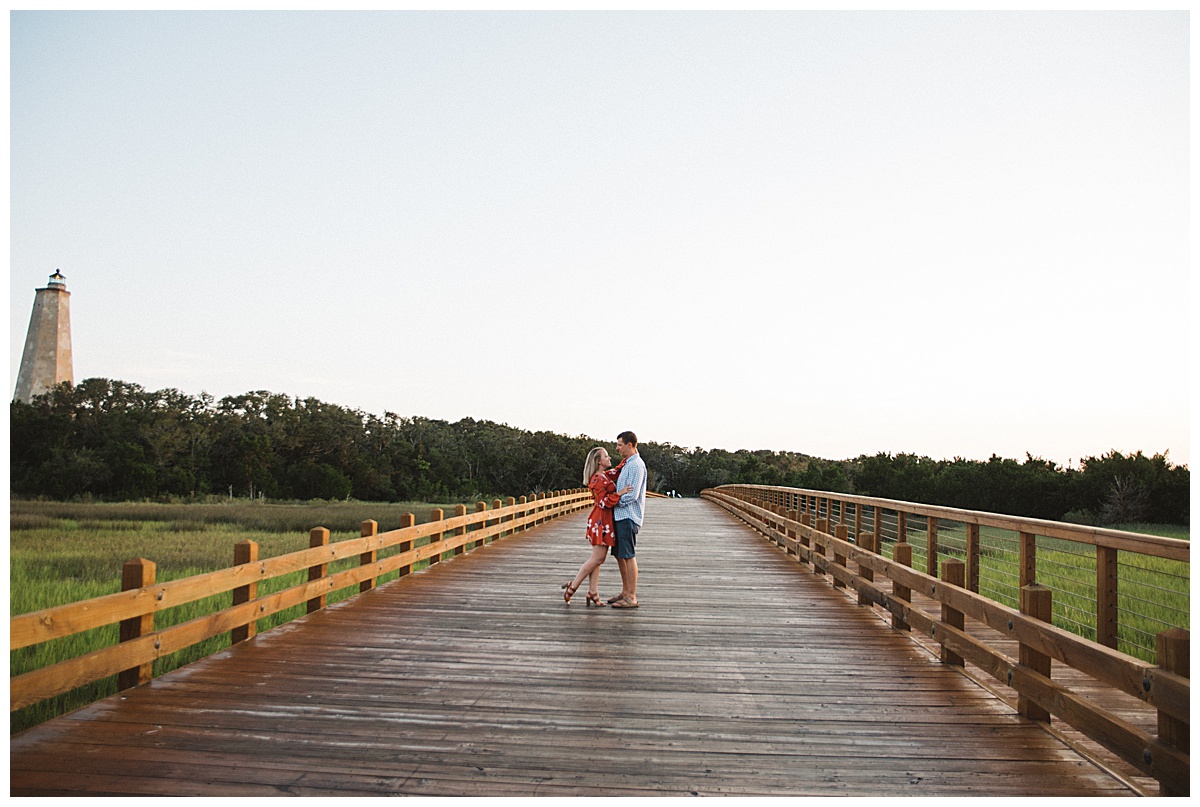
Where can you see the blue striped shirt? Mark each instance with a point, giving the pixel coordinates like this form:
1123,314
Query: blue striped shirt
633,504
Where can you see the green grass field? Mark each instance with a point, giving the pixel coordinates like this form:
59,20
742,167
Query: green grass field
66,552
1153,594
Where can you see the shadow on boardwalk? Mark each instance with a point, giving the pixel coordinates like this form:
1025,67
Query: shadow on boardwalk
741,674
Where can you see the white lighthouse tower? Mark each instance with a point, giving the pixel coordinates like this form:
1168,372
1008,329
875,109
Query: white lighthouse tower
46,361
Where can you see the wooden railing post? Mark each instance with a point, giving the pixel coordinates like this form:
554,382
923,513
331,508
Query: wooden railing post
509,502
519,528
901,527
1106,596
1174,655
480,507
820,543
877,528
866,543
1036,601
244,552
973,557
317,536
406,520
1027,570
931,546
366,530
902,554
136,574
497,504
954,573
792,515
840,532
459,510
436,514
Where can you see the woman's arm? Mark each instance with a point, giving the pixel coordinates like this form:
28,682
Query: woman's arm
628,494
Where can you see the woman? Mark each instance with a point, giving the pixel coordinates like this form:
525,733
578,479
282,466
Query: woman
600,477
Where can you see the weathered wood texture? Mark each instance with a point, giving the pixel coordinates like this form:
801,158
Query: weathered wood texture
743,673
1100,709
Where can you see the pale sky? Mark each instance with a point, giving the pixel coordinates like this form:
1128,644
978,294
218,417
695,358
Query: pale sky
945,233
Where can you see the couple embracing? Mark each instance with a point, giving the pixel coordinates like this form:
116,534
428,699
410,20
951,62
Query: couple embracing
616,517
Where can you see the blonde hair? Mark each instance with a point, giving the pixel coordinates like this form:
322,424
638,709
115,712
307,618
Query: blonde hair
592,463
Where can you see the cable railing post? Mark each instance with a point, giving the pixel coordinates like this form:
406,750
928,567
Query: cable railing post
792,515
866,543
840,532
973,557
1107,615
1027,559
902,554
1173,648
954,573
820,544
1037,602
931,546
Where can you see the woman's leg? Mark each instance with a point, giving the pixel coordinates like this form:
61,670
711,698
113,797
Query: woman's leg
599,553
589,566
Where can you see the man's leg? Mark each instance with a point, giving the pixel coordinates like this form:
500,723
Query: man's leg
626,545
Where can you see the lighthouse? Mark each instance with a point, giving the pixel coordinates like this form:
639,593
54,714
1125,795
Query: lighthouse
46,361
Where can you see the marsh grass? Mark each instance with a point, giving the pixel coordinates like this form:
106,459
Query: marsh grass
1153,594
67,552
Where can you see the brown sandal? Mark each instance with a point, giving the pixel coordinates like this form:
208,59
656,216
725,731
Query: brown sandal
624,604
569,592
594,599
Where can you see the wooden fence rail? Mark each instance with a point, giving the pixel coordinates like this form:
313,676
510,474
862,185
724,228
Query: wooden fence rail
1096,546
786,517
131,659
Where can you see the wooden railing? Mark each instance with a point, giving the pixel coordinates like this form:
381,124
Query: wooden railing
131,660
825,530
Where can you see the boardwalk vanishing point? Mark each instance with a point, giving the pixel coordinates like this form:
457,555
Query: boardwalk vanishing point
742,673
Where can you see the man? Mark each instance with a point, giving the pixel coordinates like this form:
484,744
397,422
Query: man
627,518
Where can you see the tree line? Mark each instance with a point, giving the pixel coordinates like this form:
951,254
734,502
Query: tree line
112,440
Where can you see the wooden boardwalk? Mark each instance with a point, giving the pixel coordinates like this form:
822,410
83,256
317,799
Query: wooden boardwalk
741,674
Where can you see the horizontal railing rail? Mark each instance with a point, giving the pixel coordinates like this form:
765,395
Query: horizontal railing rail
1119,588
134,608
799,521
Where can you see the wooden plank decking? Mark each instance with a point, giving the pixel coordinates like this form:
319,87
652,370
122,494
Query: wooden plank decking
741,674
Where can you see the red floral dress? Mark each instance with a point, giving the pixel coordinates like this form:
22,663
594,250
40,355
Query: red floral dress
600,521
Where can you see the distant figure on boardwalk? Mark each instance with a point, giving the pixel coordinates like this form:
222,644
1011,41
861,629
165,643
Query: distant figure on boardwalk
627,517
599,476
